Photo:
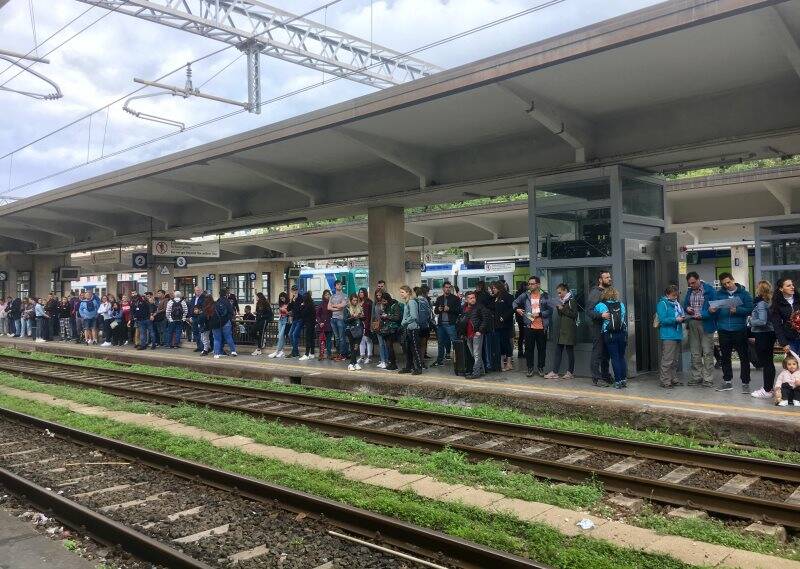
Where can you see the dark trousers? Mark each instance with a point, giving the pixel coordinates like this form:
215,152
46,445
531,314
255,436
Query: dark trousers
560,348
505,347
309,336
616,344
491,350
411,350
598,364
54,325
535,345
118,334
728,342
789,393
764,344
520,337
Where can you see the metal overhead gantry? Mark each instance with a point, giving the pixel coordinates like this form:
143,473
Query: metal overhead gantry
255,27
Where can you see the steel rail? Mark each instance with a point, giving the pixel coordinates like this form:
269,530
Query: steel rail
102,528
370,525
691,457
714,501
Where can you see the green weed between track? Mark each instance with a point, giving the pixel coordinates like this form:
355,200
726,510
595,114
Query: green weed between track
448,465
478,411
532,540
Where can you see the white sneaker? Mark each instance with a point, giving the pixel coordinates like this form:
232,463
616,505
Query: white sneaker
351,367
366,361
382,365
303,358
358,367
273,355
126,343
234,354
761,394
39,340
359,360
105,344
783,403
256,353
216,356
280,354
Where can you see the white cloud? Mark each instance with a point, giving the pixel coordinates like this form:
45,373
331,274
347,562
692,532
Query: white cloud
98,66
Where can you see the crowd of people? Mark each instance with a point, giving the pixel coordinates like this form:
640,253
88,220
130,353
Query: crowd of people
475,330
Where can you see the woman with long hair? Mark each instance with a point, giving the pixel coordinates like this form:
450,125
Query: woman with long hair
309,315
354,329
410,331
204,324
283,319
785,302
263,318
763,333
375,327
365,346
323,325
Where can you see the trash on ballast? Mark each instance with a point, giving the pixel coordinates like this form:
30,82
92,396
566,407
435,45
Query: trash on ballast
49,433
40,519
585,523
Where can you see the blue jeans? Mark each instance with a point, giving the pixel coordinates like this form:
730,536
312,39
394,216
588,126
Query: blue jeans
196,333
383,349
160,332
294,333
445,334
281,333
16,327
174,331
27,327
616,343
224,333
338,332
145,333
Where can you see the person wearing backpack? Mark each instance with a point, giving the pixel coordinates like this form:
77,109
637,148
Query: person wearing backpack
426,321
220,324
410,327
671,317
176,313
614,332
535,309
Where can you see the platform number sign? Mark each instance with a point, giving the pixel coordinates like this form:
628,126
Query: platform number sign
139,260
180,262
252,276
3,276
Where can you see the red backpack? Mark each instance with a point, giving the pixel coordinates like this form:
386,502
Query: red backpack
794,320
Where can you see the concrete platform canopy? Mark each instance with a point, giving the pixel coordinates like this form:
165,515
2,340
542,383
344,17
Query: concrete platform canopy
677,85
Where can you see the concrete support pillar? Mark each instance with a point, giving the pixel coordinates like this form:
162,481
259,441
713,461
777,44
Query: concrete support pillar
740,265
161,276
414,273
111,284
43,267
387,244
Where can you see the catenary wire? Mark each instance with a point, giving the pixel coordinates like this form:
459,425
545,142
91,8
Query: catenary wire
131,93
289,94
51,36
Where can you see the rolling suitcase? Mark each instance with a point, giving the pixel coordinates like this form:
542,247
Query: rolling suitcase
462,358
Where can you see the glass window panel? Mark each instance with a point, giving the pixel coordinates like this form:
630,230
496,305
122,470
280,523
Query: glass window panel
642,198
265,283
774,276
779,230
573,193
23,284
579,280
574,234
780,252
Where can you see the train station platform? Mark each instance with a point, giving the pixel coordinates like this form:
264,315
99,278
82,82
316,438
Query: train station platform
728,417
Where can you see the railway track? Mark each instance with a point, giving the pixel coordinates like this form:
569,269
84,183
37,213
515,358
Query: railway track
724,484
180,514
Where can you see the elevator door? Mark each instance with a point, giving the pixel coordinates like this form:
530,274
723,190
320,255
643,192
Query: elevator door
644,303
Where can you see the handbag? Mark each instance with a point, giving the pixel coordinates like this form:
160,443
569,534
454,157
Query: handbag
356,331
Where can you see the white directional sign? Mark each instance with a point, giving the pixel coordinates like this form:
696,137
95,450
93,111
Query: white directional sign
186,249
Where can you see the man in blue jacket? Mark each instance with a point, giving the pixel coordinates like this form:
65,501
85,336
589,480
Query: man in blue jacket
701,327
732,330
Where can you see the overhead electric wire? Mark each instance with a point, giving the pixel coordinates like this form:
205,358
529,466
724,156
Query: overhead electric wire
289,94
51,36
131,93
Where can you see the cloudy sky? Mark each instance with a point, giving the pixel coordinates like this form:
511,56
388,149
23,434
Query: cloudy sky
98,65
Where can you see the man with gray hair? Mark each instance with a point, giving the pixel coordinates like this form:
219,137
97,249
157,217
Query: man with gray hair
177,312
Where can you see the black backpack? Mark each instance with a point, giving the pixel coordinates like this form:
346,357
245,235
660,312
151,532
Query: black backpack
177,311
616,323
